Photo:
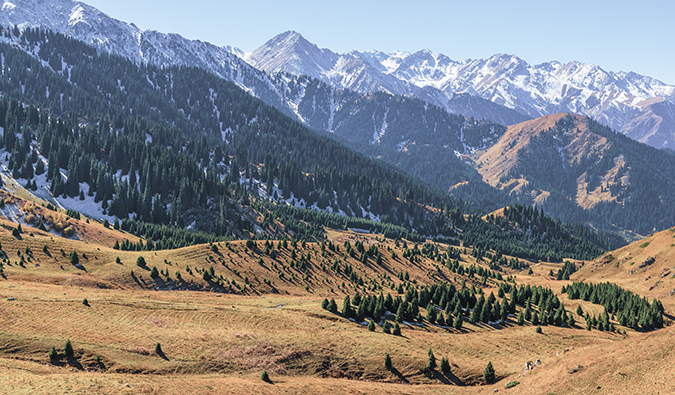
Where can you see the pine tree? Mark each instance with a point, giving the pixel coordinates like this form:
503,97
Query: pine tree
458,323
397,329
53,354
489,373
387,362
431,313
445,366
347,307
68,350
386,327
371,326
431,362
74,259
332,306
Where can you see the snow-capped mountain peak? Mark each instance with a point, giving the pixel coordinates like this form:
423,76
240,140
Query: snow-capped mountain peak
291,52
639,106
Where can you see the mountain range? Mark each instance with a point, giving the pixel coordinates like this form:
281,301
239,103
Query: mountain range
638,106
503,88
473,157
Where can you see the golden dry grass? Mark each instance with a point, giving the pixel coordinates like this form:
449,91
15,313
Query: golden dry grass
215,342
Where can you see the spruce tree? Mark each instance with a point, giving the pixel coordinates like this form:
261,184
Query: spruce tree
53,354
371,326
458,323
445,366
431,313
387,362
397,330
347,307
441,319
68,350
489,373
332,306
431,362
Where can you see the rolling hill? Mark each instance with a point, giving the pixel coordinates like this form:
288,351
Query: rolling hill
224,312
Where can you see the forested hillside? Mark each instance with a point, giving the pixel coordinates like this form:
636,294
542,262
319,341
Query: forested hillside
184,148
581,171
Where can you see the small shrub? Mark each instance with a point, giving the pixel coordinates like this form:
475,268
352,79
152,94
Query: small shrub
265,377
511,384
85,302
538,330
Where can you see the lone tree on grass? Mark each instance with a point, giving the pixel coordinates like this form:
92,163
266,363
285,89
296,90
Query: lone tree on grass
265,377
74,259
387,361
68,350
140,261
489,373
445,365
431,363
158,349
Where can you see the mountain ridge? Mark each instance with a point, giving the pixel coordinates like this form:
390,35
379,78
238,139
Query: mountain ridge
626,101
566,162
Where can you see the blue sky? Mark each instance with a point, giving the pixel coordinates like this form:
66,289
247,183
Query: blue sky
617,35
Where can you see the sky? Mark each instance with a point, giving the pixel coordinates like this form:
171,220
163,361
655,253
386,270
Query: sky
618,35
